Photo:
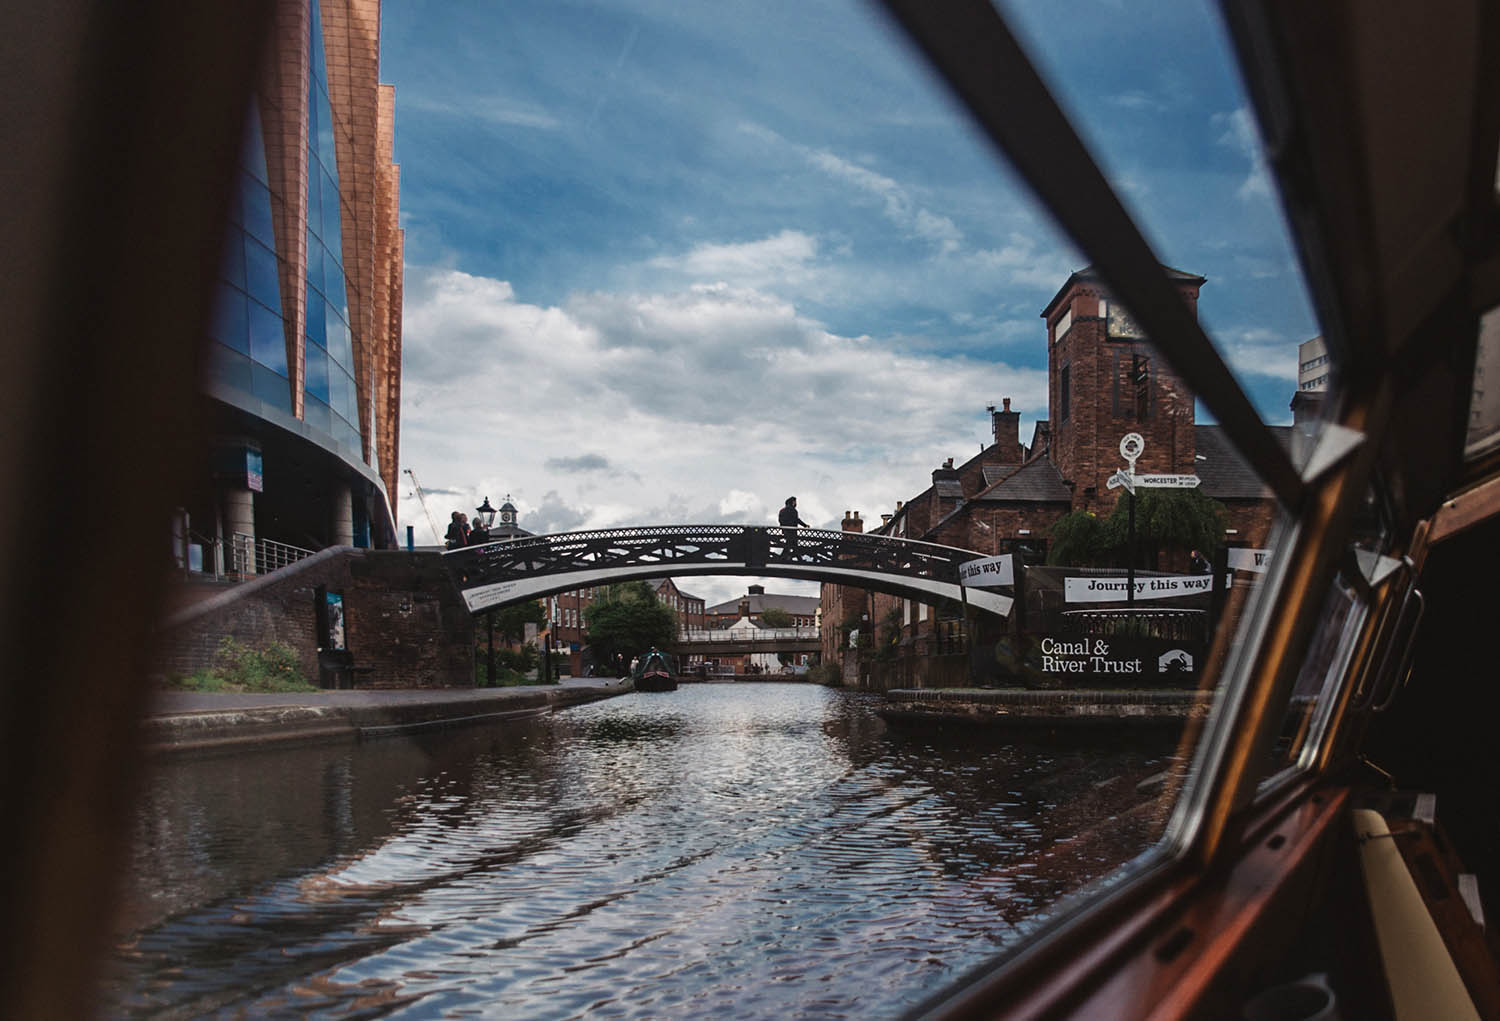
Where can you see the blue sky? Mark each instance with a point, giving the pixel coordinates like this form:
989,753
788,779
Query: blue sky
676,262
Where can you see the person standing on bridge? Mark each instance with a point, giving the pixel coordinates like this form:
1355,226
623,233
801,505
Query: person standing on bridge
458,532
789,520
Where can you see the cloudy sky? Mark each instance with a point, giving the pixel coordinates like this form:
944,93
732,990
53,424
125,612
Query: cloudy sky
675,262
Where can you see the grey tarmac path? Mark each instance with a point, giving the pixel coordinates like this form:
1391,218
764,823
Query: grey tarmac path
187,721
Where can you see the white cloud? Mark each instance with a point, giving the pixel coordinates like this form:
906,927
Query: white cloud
896,201
1239,134
706,404
772,258
494,110
1257,351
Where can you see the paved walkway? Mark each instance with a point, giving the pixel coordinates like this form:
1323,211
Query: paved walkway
199,721
172,702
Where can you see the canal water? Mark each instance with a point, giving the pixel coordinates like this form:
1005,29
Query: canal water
745,850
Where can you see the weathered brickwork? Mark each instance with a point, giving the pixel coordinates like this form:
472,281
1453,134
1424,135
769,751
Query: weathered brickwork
403,618
1105,380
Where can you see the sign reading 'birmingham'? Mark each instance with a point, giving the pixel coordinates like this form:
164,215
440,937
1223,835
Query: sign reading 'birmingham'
987,571
1109,590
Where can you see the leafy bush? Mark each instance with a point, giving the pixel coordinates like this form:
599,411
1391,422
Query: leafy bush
827,674
238,667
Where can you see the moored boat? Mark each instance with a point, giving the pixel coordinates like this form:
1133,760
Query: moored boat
654,673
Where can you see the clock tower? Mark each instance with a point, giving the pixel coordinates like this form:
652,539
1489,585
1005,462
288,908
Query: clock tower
1105,379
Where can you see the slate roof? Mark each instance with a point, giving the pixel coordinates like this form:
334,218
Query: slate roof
1089,273
1038,481
1225,474
802,606
993,473
948,489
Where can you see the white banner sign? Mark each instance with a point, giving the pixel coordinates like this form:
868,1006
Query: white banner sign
1257,560
987,571
1109,590
1168,481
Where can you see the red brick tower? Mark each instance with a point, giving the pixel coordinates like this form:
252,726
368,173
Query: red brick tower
1105,380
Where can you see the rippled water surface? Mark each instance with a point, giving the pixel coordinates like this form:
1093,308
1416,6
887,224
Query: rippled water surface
749,850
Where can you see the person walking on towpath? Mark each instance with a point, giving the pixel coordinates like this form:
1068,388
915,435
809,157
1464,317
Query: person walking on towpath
789,521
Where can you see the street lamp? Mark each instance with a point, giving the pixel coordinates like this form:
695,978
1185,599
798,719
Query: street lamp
485,513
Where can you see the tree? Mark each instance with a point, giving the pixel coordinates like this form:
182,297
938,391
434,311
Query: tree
1167,519
1079,539
774,616
511,621
628,621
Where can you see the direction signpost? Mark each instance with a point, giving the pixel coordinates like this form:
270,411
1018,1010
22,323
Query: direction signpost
1132,446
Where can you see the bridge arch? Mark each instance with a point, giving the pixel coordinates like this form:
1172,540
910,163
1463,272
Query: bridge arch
515,570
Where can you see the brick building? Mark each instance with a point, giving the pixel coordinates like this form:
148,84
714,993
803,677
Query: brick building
1104,380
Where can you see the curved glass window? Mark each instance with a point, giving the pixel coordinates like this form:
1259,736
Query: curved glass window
330,355
249,270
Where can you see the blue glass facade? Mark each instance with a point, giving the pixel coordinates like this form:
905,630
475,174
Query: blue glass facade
317,478
330,399
248,349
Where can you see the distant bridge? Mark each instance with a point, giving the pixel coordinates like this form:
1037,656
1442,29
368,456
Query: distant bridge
514,570
726,642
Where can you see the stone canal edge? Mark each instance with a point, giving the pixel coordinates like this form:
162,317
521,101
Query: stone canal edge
1022,708
202,723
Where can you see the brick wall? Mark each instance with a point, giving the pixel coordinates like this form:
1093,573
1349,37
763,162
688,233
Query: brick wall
403,618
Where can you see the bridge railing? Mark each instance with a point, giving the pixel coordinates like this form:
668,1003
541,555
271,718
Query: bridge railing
765,634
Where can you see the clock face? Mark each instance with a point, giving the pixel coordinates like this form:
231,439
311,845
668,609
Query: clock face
1122,323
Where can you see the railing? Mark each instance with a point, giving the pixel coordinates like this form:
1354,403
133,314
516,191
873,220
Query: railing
765,634
243,556
1181,625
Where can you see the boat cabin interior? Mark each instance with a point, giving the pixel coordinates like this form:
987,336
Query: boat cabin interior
1335,843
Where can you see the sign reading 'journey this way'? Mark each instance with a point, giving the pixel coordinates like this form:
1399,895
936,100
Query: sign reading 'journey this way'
1109,590
987,571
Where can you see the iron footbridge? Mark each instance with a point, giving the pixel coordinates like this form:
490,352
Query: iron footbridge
515,570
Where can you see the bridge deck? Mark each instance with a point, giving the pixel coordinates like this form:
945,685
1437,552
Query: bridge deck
514,570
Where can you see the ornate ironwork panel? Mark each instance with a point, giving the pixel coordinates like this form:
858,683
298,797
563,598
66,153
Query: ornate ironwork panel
516,569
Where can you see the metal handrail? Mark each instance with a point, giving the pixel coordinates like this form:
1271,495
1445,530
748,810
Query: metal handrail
758,635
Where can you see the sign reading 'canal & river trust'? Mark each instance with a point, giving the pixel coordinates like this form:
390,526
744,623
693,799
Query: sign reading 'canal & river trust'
1109,590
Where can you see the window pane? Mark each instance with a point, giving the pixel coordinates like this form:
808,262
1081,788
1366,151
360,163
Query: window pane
1190,167
262,274
1484,404
332,230
317,328
229,325
314,262
228,368
256,203
271,387
317,372
267,338
232,269
317,414
340,348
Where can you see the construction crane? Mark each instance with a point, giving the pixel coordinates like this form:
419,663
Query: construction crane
422,498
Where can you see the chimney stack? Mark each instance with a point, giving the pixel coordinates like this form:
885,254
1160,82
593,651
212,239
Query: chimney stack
852,522
1007,427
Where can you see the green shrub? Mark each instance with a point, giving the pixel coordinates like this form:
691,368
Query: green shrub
238,667
827,674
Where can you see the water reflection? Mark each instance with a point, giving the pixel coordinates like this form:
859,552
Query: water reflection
744,850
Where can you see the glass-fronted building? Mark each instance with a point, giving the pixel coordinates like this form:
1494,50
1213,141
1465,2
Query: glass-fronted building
302,361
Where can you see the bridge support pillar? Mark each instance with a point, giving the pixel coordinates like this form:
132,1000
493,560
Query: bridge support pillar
341,518
239,529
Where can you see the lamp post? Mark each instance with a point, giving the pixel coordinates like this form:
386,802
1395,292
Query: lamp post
484,512
484,515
